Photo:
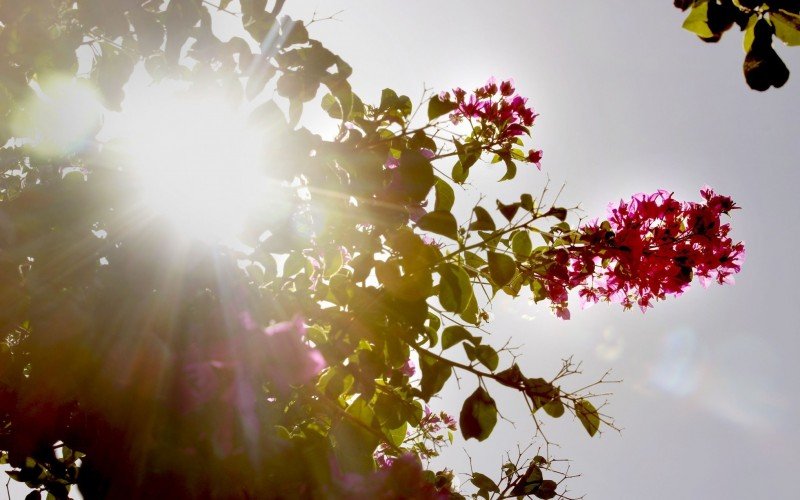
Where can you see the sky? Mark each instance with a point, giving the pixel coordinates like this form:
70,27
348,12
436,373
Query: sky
629,102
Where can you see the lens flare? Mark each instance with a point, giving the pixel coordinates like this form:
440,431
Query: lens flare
199,161
61,116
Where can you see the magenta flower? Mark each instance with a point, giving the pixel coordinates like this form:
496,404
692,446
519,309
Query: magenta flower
535,157
289,360
650,247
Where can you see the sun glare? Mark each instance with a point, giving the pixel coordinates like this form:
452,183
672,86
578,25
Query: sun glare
199,162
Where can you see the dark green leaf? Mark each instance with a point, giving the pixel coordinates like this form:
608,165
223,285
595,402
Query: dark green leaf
413,178
437,107
528,483
483,221
484,483
454,334
487,356
434,375
501,268
526,202
439,222
455,288
478,415
557,212
508,211
445,197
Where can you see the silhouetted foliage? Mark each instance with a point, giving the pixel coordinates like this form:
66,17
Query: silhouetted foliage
136,360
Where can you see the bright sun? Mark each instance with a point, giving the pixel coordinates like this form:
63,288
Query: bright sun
200,163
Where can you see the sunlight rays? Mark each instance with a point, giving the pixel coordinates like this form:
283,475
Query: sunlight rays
200,164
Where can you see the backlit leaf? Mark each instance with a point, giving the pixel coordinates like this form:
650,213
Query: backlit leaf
439,222
438,107
478,415
587,414
501,268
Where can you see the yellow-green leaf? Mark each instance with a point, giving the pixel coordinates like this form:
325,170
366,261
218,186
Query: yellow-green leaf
787,26
697,21
587,414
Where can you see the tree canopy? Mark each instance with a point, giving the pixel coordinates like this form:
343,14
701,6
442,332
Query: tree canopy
304,360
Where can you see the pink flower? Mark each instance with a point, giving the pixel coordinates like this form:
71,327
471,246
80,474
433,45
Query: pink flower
650,247
392,162
408,368
535,157
499,118
507,87
427,153
289,361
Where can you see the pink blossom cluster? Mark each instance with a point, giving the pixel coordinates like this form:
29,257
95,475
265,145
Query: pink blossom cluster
501,114
226,376
430,426
650,247
433,423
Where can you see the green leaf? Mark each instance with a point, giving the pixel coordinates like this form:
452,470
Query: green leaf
526,202
460,173
478,415
445,197
501,268
521,244
468,153
697,21
487,356
333,261
455,288
508,211
787,26
454,334
295,263
749,33
483,221
439,222
449,290
354,445
511,169
413,177
331,106
398,435
434,375
554,408
471,310
530,482
587,414
484,483
437,107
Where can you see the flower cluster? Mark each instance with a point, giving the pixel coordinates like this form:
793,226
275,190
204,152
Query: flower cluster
224,376
426,439
650,246
499,114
